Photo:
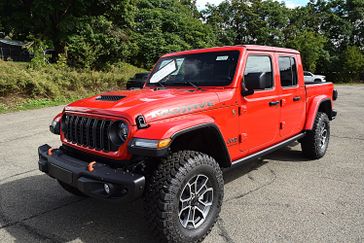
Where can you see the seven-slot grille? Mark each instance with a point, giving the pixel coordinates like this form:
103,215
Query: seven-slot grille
88,132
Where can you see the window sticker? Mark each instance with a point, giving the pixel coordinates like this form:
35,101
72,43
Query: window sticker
222,58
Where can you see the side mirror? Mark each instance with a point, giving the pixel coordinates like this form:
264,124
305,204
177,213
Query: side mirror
244,90
258,80
247,92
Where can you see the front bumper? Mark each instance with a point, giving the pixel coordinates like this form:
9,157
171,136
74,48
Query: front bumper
124,186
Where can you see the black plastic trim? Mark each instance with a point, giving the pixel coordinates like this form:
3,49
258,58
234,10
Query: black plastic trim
267,150
220,140
148,152
335,94
110,97
141,122
126,186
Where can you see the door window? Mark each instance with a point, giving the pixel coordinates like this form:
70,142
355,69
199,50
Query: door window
259,67
288,71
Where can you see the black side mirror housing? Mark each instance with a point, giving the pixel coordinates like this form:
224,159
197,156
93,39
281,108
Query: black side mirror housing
247,92
257,80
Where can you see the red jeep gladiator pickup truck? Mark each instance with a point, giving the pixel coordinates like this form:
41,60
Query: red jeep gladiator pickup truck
200,111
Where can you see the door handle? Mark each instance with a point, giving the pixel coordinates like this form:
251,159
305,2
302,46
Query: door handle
297,98
273,103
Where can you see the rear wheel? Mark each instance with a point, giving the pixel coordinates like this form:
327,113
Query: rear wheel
316,141
184,196
71,189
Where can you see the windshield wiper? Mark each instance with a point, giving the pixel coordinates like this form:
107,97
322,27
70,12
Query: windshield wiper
161,84
193,85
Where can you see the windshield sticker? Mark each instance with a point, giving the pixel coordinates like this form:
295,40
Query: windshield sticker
222,58
182,109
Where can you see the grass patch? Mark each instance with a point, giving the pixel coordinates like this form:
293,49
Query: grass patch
23,86
34,103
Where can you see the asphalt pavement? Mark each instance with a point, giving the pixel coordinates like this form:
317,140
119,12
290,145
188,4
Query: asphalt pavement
281,198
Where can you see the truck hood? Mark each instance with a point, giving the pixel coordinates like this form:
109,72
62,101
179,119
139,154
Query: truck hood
151,103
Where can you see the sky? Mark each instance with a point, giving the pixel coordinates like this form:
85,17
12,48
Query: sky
289,3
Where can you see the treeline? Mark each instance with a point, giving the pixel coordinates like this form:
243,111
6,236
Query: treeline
329,34
96,33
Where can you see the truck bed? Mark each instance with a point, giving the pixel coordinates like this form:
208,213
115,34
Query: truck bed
316,89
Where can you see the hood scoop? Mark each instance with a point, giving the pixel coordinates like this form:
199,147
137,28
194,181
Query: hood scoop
110,97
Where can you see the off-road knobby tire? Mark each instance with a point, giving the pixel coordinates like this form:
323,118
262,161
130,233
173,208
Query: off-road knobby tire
310,144
163,190
71,189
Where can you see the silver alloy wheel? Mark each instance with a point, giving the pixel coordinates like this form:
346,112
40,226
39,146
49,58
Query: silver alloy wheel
195,202
323,136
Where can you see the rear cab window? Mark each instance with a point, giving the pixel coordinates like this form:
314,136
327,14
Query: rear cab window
288,71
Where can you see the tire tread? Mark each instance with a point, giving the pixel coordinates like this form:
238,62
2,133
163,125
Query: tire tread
163,184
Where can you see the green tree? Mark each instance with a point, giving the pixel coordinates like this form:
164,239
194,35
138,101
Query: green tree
355,14
311,46
163,26
353,62
248,21
95,42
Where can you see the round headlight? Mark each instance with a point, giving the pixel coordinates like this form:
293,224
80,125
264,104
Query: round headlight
123,131
119,132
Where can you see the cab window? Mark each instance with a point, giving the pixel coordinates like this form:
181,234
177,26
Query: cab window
288,71
259,68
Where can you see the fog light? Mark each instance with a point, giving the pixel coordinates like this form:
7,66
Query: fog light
107,188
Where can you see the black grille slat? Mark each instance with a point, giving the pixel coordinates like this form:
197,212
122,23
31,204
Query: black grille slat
68,118
66,125
71,128
98,142
107,141
94,133
82,120
88,132
92,143
102,136
76,130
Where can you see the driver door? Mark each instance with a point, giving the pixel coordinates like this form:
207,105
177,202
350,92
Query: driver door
260,112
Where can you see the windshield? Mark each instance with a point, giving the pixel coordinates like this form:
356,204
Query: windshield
202,69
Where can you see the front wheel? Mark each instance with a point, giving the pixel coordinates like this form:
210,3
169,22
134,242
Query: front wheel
184,196
316,141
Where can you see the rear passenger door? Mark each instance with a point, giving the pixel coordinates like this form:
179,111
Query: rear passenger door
292,97
259,112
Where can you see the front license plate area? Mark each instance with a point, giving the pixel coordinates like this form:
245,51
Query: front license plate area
60,173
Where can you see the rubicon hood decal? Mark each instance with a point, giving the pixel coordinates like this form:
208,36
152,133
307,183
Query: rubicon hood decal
181,109
152,104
